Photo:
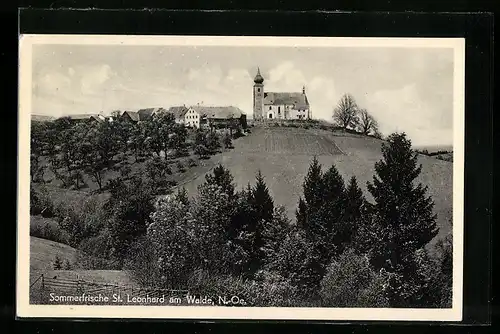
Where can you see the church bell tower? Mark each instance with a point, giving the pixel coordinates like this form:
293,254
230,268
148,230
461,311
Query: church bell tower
258,96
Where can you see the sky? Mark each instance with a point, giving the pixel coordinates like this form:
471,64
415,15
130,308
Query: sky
405,89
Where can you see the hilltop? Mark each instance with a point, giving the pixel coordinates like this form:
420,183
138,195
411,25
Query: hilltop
283,155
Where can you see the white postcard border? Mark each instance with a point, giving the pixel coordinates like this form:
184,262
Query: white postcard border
25,309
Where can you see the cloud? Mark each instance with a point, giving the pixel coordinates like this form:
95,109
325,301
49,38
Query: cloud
403,109
93,78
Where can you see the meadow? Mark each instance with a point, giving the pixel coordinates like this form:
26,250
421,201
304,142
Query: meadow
283,156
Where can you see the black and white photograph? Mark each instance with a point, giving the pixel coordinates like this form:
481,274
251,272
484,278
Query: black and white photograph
218,177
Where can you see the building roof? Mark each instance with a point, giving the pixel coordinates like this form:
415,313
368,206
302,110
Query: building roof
78,117
132,114
258,78
145,114
178,111
298,100
219,112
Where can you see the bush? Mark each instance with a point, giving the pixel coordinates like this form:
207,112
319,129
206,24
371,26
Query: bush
191,162
201,151
125,171
141,262
350,281
49,230
180,167
41,203
83,221
57,265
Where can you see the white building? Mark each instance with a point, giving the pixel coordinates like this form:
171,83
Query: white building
278,105
186,115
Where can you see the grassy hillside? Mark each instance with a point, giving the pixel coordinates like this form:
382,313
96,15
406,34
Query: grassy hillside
43,253
283,155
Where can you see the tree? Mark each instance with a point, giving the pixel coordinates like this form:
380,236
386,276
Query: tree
174,241
261,200
228,143
350,281
58,264
404,221
367,123
201,151
99,147
38,145
213,142
160,130
355,208
298,261
157,170
137,140
182,196
312,186
221,177
73,147
131,206
346,112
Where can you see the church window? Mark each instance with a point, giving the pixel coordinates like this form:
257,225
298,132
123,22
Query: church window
270,107
258,90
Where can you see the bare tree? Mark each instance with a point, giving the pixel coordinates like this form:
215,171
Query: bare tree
346,112
367,123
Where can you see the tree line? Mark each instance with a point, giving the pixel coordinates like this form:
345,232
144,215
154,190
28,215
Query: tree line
343,251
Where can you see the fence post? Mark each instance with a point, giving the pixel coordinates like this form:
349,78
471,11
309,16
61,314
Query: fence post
42,289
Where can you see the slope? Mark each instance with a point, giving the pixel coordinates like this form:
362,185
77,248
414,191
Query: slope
283,156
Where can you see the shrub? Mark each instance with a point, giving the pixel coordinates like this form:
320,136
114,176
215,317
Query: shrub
180,167
67,265
201,151
191,162
49,230
40,202
141,262
351,282
83,221
125,171
57,265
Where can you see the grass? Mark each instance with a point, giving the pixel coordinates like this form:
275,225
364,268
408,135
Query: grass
283,156
43,253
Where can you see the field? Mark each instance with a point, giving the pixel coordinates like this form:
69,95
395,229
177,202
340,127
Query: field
283,156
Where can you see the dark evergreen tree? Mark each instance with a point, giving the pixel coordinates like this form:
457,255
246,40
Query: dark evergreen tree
301,214
262,201
355,207
313,186
404,221
223,178
182,196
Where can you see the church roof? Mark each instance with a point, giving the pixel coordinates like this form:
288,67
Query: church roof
219,112
258,78
298,100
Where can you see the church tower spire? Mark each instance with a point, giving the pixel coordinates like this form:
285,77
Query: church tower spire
258,96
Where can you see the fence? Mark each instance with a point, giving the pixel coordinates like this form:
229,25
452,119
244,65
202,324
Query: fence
54,290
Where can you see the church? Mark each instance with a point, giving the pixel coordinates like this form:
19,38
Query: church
278,105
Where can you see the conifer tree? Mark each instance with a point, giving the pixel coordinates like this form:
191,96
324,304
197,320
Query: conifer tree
221,177
262,201
353,212
404,218
312,185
